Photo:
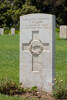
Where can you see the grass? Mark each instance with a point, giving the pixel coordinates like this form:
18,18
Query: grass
3,97
9,60
9,57
61,59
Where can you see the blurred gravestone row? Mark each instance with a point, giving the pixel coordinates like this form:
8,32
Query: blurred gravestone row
7,31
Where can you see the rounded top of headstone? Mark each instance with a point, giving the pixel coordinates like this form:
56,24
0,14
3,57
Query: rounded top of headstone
37,14
63,25
36,21
12,28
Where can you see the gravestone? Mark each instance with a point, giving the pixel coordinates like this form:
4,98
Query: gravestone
37,51
1,31
12,31
63,32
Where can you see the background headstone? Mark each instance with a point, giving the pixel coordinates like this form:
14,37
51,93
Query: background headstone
37,51
12,31
63,32
1,31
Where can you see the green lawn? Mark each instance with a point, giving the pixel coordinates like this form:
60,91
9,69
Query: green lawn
61,59
9,60
3,97
9,57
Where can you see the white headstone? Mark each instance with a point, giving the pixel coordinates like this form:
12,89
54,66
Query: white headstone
63,32
12,31
37,46
1,31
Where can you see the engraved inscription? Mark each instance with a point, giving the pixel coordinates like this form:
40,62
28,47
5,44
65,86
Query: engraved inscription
36,23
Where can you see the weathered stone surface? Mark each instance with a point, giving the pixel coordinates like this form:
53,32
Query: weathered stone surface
63,32
12,31
1,31
37,51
